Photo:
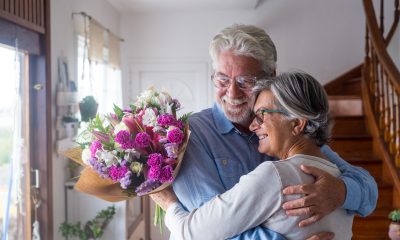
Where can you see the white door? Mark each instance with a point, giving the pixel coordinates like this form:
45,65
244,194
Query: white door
189,82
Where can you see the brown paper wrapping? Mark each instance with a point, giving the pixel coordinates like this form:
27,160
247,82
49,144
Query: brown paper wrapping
92,183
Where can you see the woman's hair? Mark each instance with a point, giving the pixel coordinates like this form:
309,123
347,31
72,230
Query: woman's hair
245,40
301,96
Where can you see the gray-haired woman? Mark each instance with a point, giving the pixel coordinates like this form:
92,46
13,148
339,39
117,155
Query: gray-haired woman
291,122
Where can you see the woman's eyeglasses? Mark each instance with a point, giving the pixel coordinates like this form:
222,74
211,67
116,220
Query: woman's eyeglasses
259,115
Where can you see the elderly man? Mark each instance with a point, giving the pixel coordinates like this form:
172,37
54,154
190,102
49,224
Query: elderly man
221,148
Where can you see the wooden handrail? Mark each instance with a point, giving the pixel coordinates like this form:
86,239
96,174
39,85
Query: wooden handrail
380,45
381,92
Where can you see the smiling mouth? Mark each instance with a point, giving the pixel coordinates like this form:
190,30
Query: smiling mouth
234,102
263,136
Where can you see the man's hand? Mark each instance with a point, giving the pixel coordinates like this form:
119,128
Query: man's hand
322,236
321,197
164,198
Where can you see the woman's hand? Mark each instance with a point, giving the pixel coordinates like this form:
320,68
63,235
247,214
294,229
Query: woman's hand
164,198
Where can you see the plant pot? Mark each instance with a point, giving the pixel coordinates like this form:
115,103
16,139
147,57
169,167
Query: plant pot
394,231
88,112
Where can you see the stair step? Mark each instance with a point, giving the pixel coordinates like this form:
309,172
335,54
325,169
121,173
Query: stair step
352,146
349,105
385,197
370,236
353,125
373,166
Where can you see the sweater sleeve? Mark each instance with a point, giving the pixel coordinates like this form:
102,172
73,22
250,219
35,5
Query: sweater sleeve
232,212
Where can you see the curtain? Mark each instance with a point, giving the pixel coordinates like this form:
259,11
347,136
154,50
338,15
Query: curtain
96,42
114,50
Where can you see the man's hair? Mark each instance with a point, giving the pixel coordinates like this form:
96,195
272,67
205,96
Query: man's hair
301,97
245,40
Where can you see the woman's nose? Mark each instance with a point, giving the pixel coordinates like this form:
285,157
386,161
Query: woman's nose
254,125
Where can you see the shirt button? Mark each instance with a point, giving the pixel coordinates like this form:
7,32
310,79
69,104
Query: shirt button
224,162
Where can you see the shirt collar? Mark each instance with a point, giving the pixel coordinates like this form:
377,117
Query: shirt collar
223,124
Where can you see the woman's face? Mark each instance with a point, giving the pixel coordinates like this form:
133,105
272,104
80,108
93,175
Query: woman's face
275,132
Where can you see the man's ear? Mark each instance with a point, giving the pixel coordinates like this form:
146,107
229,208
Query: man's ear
298,125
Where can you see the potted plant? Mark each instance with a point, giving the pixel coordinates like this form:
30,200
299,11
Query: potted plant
394,228
88,108
92,229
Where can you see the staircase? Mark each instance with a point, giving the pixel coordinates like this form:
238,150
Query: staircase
351,139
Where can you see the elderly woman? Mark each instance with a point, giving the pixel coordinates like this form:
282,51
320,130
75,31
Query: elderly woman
291,122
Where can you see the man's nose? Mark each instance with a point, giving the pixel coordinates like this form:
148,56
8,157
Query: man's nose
234,90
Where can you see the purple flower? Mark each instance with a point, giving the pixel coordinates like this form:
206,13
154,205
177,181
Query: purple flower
117,173
98,167
126,180
154,159
96,145
166,119
142,140
154,173
175,135
147,186
123,137
166,174
172,150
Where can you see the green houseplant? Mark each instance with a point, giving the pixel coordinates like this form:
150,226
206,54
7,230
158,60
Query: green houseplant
394,228
88,108
93,229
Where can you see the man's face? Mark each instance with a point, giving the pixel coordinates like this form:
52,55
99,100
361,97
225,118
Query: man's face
236,103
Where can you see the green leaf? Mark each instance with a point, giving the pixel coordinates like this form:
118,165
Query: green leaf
118,111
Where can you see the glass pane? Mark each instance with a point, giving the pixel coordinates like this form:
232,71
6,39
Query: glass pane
12,161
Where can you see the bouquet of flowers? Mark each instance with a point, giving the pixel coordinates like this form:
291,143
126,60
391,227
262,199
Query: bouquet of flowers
134,151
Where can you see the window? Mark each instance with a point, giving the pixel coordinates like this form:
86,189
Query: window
98,79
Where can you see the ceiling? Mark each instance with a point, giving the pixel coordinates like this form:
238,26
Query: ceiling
135,6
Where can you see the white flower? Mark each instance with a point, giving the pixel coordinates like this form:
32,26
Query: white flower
119,127
131,154
149,117
108,157
86,156
164,100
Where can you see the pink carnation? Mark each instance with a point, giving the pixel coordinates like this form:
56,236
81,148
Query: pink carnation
154,173
142,140
178,124
123,137
154,159
175,136
117,173
96,145
166,119
166,174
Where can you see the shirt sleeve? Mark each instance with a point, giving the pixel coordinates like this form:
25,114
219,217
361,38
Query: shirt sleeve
361,188
233,212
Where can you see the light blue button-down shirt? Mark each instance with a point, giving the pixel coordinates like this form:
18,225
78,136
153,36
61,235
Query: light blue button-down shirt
218,154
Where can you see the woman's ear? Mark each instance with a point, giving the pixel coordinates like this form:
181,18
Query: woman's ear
298,125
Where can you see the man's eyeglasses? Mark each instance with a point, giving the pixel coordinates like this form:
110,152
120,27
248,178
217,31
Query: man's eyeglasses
259,115
243,82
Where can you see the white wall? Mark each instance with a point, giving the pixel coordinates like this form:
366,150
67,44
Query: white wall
63,44
322,37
